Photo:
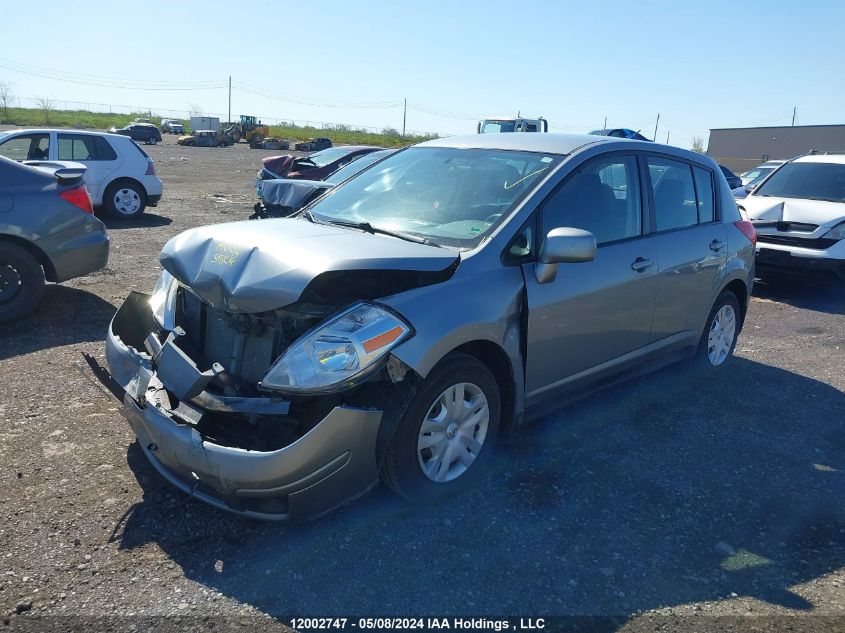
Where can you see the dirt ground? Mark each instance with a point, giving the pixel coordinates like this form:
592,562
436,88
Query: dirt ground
667,502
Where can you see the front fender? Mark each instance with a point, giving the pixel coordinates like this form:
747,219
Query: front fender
470,307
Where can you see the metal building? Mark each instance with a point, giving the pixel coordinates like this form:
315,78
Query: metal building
742,148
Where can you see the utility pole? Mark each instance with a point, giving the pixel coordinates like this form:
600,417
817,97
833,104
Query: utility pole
604,127
655,126
794,110
667,136
404,115
229,120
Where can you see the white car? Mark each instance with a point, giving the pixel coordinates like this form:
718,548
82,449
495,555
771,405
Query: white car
120,177
759,171
172,126
799,215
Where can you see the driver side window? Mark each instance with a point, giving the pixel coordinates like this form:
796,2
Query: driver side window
602,196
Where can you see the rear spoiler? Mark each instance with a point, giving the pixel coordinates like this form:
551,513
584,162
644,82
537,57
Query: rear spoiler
66,172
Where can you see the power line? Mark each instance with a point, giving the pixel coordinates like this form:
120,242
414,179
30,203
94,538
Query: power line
313,101
103,82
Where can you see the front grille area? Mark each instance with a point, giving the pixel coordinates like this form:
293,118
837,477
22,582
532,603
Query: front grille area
820,243
786,227
243,344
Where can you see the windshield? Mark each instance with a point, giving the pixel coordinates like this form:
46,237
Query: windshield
814,181
357,165
755,175
451,196
327,156
493,127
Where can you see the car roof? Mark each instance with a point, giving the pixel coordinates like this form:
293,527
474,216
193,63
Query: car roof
65,130
524,141
837,159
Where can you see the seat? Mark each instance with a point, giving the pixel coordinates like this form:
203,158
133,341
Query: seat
592,206
670,207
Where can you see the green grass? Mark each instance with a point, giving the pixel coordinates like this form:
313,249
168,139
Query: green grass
82,119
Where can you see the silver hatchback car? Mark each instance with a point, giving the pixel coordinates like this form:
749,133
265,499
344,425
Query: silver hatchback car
394,327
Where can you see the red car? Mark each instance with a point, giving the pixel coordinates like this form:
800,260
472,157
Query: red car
316,166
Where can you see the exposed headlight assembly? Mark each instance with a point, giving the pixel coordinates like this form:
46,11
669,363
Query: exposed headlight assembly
338,353
836,233
163,300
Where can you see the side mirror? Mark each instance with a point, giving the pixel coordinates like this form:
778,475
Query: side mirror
563,245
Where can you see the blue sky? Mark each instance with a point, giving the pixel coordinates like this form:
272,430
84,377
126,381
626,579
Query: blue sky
699,64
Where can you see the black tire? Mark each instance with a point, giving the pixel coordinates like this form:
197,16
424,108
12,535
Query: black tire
401,468
152,140
110,205
703,358
21,282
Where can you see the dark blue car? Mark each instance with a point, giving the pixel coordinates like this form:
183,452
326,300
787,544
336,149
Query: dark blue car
621,132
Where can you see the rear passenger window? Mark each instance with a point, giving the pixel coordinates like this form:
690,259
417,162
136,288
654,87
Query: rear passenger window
76,147
674,194
704,191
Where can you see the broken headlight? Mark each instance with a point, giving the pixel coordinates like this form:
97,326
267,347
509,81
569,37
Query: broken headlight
338,353
163,300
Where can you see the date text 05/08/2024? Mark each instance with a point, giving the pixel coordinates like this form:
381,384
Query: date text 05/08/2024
417,624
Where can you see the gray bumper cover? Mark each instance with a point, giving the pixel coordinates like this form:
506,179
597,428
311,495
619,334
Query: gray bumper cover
333,463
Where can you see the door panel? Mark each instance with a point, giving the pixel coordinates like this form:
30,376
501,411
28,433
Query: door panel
591,313
691,247
597,311
690,273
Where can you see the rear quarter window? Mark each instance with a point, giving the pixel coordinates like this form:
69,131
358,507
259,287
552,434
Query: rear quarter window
104,149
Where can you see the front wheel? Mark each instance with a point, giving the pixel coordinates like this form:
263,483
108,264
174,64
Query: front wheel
446,433
21,282
152,140
720,335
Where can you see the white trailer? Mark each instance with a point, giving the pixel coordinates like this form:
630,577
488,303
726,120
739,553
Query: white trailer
205,123
512,124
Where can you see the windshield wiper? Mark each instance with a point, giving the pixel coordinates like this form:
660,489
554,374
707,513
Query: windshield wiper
369,228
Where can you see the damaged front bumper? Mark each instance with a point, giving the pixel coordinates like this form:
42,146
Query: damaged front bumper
331,464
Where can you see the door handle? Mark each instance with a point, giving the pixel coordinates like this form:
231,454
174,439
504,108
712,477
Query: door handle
641,263
717,245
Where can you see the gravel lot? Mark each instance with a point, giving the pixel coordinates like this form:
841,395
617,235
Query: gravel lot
663,502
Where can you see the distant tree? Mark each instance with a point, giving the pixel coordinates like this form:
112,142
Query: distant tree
698,144
390,131
194,109
46,105
6,97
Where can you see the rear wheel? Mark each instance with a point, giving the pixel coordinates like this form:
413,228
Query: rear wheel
21,282
152,140
720,335
446,433
124,200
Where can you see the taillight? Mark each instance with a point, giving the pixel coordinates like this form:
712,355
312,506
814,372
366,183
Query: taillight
747,229
151,168
78,197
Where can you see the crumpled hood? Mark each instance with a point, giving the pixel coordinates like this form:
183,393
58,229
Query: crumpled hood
279,165
259,266
773,209
291,193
